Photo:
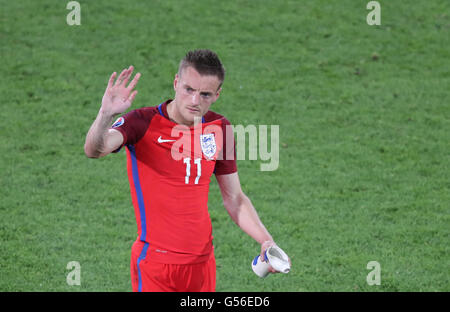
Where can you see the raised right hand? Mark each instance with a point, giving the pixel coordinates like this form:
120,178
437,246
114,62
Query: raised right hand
118,97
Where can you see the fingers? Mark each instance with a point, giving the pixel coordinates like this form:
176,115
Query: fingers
127,75
134,81
264,246
111,79
123,78
262,255
131,97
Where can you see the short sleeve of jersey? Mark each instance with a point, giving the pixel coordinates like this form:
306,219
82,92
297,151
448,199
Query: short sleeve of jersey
226,161
133,125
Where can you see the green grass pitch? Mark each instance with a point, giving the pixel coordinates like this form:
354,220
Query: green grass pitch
364,119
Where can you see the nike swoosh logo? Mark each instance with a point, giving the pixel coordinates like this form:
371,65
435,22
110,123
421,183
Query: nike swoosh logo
161,140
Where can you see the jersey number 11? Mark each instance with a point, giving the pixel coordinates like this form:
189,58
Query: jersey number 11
197,161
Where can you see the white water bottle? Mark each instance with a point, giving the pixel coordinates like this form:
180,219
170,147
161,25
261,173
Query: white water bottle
273,256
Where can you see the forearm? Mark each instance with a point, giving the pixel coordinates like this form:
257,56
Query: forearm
245,216
95,139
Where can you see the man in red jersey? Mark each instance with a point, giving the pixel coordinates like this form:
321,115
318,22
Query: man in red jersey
172,151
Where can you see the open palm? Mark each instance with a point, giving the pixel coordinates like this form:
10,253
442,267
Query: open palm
118,96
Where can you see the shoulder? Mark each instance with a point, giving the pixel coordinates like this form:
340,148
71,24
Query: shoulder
213,116
134,124
141,116
142,113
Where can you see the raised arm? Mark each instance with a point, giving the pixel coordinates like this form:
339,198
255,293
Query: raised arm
101,139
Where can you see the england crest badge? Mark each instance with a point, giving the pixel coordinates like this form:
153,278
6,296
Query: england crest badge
208,144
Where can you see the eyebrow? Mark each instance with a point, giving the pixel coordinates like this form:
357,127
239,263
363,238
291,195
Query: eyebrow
202,92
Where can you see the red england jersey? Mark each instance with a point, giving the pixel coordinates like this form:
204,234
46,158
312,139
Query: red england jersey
169,170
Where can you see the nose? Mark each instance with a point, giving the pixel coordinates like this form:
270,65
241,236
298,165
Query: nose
196,98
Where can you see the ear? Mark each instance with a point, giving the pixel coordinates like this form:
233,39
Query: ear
175,82
217,94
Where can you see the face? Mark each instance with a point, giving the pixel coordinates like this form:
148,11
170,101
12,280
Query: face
194,94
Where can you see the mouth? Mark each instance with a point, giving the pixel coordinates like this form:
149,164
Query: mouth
193,110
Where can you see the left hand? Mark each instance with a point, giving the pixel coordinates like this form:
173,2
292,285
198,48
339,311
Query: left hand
264,247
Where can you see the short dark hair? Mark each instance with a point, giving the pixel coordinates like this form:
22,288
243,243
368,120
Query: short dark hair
206,62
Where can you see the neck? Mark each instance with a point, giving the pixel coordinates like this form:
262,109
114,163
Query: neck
176,118
170,106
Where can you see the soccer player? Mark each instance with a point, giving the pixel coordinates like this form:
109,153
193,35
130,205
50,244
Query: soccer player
172,151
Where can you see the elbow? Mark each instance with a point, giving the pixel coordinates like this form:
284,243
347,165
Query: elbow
230,204
234,200
233,206
89,153
233,212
